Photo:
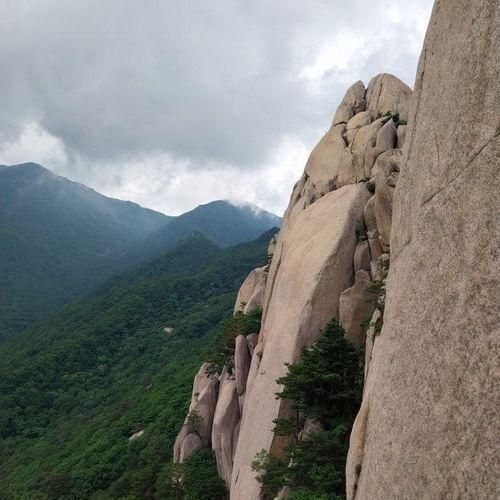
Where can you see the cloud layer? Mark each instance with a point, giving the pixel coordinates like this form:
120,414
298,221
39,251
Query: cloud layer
173,103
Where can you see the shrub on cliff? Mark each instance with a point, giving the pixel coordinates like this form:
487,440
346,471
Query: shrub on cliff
327,382
231,327
395,118
326,385
195,479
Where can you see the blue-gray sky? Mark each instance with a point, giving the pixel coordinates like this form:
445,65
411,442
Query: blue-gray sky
176,103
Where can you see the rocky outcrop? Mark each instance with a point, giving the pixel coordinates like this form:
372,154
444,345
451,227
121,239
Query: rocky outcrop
356,304
251,292
386,172
241,363
423,198
387,93
252,341
200,417
314,261
334,232
353,103
190,444
362,257
429,425
317,250
217,401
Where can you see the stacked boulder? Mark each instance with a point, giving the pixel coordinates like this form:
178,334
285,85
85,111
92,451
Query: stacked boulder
217,400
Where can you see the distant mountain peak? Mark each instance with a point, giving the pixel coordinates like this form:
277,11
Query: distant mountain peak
29,167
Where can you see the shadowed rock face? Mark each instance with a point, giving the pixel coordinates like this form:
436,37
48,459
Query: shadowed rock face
429,425
355,304
241,363
225,421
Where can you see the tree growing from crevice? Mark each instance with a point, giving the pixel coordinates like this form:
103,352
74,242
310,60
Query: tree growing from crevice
326,385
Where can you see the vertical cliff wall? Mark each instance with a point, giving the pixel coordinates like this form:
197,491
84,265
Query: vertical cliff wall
429,423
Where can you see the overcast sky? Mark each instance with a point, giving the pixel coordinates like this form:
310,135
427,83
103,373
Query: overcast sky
176,103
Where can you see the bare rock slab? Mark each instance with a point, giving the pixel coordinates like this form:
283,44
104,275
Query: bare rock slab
311,267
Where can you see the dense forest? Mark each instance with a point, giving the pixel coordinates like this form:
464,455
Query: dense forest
74,389
58,240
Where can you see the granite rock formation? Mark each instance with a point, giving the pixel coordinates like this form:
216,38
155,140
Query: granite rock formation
323,252
391,229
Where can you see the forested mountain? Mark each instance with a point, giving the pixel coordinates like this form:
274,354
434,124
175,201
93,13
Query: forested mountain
59,239
75,388
220,221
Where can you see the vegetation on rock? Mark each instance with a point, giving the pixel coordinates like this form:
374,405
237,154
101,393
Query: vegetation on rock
326,384
231,327
395,118
195,479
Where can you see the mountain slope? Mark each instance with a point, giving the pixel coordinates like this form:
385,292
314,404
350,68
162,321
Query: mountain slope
59,239
220,221
75,388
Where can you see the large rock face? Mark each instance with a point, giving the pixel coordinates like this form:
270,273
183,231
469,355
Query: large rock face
429,423
314,258
312,265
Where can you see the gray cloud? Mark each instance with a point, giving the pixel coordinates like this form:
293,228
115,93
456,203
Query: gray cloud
123,87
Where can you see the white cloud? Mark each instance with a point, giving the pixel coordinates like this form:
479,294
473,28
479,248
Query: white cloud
173,104
34,144
335,54
173,187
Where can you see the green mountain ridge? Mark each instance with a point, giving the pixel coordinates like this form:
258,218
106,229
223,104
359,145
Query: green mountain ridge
59,239
221,221
76,387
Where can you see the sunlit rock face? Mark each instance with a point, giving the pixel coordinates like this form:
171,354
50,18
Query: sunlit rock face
314,256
